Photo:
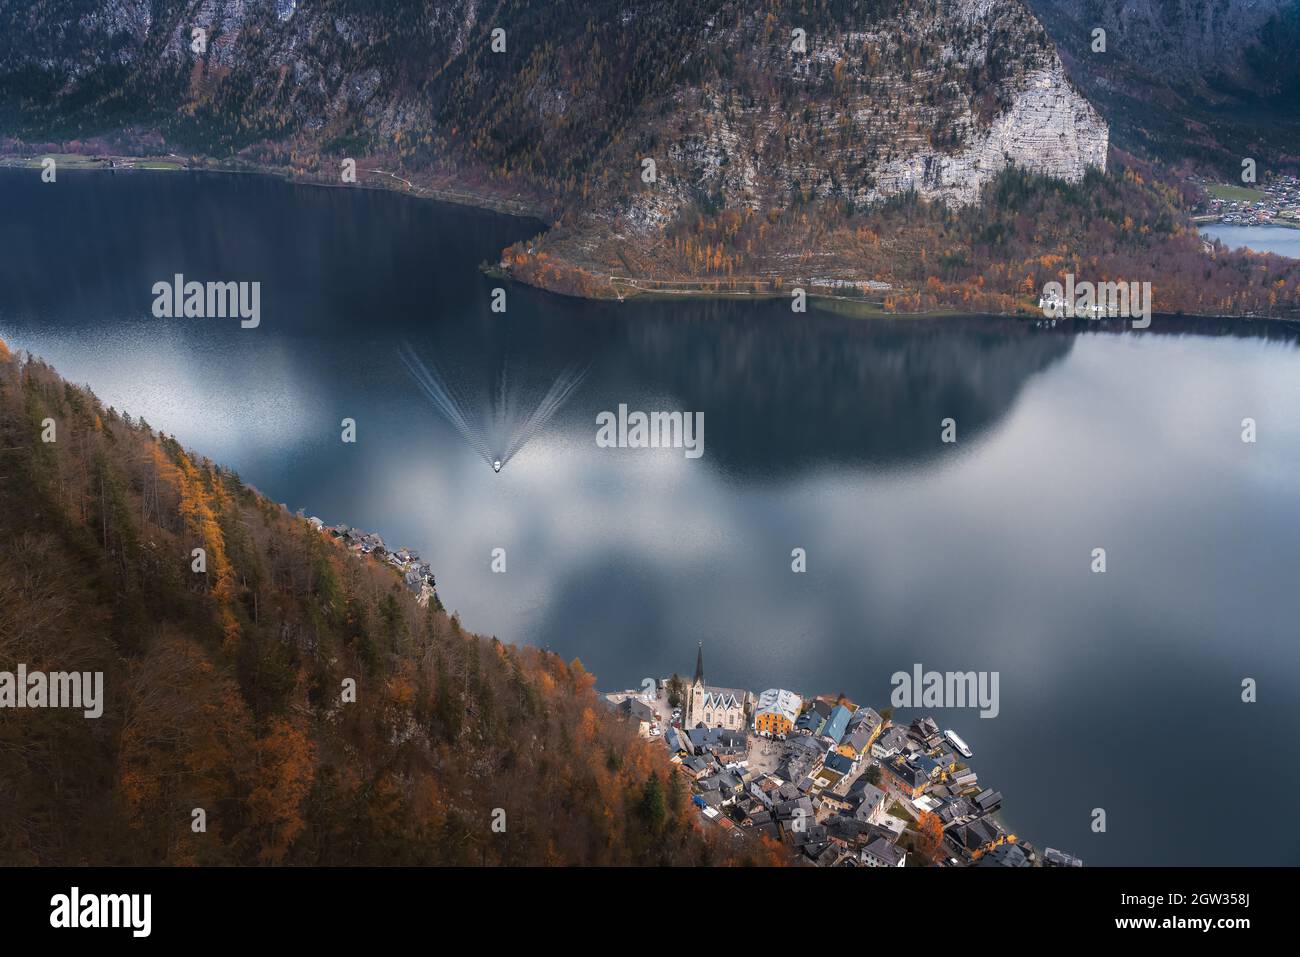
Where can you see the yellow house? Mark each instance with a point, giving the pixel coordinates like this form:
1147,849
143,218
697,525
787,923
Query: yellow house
776,712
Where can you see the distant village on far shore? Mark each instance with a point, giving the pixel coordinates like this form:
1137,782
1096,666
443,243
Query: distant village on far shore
838,784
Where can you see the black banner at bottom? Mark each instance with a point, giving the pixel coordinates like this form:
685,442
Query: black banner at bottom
335,906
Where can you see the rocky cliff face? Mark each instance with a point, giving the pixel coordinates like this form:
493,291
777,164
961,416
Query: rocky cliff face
1048,129
741,107
1205,82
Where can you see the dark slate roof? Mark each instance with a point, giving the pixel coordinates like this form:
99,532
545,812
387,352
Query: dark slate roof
1005,855
883,850
637,709
838,763
865,719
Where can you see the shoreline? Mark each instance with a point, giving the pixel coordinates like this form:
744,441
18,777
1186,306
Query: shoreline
523,209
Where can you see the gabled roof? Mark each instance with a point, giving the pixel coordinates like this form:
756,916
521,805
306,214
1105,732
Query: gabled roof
977,833
867,718
838,763
835,723
865,794
722,698
779,701
1005,855
892,740
637,709
885,852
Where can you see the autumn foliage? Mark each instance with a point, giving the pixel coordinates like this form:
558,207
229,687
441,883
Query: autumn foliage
225,738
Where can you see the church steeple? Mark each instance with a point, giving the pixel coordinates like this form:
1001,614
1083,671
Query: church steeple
699,665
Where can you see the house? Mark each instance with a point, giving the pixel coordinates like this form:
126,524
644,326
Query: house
828,855
757,818
835,767
977,837
696,766
836,724
851,833
868,801
636,710
928,765
1005,855
864,727
836,803
803,759
988,800
814,717
765,790
905,776
800,809
965,779
889,744
776,713
925,731
812,840
881,853
955,809
726,783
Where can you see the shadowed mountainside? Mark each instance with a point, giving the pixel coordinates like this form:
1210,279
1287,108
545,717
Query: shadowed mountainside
224,690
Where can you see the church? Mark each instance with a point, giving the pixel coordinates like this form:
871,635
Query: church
714,707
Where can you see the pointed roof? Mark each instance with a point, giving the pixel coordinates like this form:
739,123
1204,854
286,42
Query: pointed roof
699,665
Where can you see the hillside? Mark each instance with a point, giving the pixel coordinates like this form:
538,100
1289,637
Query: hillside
225,690
1197,82
719,146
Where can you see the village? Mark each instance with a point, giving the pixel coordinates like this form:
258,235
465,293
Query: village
836,783
1275,203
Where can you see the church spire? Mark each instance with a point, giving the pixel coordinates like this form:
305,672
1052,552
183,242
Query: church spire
699,665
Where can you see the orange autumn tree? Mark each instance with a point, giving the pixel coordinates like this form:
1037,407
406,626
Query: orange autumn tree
927,840
285,771
185,743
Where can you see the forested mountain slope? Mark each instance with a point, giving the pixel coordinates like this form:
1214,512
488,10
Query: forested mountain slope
225,690
1202,82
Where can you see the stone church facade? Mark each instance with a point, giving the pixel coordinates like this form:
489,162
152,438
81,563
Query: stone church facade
714,707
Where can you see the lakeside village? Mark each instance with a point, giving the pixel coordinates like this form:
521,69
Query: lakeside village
1275,203
839,784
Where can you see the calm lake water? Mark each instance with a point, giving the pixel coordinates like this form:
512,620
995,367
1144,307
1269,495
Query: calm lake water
1119,691
1261,239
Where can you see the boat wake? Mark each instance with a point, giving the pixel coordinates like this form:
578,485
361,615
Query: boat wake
497,430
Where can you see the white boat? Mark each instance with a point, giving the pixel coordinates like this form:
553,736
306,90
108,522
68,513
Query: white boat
958,743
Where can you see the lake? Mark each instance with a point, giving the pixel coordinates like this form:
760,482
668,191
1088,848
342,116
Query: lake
1282,240
1119,690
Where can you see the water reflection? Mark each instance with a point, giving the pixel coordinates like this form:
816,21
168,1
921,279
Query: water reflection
822,433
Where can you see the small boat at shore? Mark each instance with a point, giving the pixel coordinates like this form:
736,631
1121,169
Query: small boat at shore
955,740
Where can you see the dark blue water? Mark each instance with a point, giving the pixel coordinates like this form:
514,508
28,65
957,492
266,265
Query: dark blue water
1119,691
